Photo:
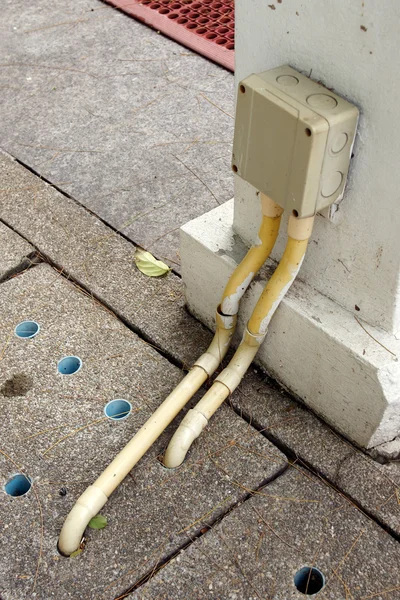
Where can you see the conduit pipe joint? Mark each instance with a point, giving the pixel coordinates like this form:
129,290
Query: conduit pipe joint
300,229
269,208
227,322
233,374
225,328
253,339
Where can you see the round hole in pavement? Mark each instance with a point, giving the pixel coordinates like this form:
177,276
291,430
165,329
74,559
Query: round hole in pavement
18,485
309,581
118,409
69,365
27,329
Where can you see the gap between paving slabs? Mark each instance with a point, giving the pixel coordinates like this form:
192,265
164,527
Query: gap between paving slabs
16,255
256,551
101,260
55,430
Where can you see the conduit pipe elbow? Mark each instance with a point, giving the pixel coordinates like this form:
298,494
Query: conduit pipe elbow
190,428
225,328
86,507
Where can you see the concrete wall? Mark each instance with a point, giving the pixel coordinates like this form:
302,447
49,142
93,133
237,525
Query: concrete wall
353,48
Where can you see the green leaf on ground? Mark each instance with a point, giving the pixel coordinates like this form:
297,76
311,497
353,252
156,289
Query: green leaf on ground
98,522
148,265
76,553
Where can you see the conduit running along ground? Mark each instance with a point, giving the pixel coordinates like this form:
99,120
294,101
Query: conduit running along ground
96,495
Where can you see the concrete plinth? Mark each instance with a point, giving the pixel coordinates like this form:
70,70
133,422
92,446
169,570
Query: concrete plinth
345,370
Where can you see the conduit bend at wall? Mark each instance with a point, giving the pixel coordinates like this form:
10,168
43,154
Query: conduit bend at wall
299,232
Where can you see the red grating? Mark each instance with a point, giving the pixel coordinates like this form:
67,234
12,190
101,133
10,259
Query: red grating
205,26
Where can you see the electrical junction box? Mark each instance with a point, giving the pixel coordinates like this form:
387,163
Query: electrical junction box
293,139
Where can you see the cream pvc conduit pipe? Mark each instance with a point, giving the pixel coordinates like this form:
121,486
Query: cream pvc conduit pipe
96,495
299,231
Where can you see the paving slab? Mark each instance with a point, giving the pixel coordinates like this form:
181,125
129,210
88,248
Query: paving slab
374,486
131,124
256,551
101,260
52,428
14,252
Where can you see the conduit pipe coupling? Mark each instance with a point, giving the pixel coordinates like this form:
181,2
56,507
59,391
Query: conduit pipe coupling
225,328
233,374
269,208
300,229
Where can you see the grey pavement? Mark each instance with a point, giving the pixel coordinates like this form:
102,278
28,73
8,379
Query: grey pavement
100,259
132,130
256,551
53,427
86,250
129,123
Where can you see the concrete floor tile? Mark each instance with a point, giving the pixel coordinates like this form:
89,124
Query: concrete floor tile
101,260
374,486
256,551
121,118
52,428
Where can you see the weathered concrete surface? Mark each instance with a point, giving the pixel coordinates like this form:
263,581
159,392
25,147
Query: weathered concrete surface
374,486
100,259
52,427
14,252
103,261
131,124
255,552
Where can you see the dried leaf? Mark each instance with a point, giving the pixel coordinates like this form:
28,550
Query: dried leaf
98,522
148,265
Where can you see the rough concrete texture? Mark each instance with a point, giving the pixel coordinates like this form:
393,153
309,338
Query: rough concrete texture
255,552
374,486
100,259
53,428
14,252
131,124
345,370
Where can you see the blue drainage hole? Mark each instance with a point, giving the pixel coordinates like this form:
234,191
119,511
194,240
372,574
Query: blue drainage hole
117,409
27,329
309,580
69,365
18,485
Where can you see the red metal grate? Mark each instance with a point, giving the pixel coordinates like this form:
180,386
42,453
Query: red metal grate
205,26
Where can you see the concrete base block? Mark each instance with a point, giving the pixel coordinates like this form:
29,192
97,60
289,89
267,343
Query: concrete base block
344,369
